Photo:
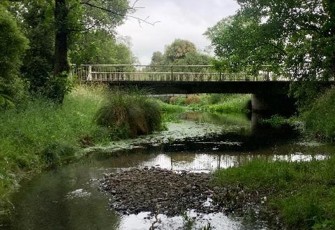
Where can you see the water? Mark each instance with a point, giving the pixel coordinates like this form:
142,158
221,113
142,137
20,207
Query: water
68,198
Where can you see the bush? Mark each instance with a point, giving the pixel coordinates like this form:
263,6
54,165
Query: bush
12,45
128,114
320,119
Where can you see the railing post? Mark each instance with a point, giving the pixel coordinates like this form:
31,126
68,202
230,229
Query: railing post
89,75
171,73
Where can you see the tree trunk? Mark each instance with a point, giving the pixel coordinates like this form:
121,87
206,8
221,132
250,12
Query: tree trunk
61,39
58,85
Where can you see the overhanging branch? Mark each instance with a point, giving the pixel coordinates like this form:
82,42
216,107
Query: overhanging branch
87,3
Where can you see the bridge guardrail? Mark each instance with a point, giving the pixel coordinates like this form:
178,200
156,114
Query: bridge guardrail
201,73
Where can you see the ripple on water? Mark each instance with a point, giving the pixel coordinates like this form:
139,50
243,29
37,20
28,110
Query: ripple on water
78,193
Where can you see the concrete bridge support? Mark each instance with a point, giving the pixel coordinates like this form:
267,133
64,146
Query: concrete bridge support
273,104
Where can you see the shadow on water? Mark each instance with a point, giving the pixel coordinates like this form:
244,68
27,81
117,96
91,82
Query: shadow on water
68,198
256,135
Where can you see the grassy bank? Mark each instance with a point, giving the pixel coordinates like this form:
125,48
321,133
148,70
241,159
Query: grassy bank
302,194
214,103
42,134
228,103
320,119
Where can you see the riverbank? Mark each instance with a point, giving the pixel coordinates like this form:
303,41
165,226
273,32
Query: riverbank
301,195
39,135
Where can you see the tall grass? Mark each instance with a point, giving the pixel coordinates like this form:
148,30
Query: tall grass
215,103
229,104
302,193
129,114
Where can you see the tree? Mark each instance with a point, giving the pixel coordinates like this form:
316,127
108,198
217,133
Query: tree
72,16
39,58
157,58
12,45
99,47
296,37
179,52
240,45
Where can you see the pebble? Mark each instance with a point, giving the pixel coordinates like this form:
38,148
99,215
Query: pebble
163,191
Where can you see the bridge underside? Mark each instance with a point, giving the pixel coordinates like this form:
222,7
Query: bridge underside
189,87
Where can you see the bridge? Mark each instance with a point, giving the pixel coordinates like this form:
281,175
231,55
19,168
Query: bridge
182,79
269,91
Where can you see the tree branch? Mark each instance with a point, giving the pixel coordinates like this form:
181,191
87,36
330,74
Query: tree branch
87,3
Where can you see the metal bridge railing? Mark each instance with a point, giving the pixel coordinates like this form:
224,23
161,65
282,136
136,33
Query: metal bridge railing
201,73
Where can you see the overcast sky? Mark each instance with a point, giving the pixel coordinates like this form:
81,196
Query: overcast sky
183,19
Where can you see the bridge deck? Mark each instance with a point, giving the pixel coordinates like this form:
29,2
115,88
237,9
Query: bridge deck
194,87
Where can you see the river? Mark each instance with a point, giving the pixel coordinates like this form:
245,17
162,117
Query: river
69,197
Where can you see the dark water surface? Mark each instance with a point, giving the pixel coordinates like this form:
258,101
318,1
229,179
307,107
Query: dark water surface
69,198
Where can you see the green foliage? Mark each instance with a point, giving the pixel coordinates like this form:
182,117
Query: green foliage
229,104
304,210
240,45
56,154
214,98
128,114
319,118
180,52
306,92
170,112
57,87
38,61
101,14
43,134
99,47
53,27
293,37
302,193
12,45
170,108
275,121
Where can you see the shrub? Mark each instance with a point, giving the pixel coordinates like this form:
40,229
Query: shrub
192,99
128,114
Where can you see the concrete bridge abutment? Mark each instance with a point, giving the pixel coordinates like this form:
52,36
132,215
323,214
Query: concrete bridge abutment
271,104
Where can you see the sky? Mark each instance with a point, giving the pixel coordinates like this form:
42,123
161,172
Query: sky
177,19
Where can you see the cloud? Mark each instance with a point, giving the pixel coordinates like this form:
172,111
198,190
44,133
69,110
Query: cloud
184,19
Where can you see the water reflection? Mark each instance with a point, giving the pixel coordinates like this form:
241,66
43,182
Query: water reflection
217,221
197,162
63,199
